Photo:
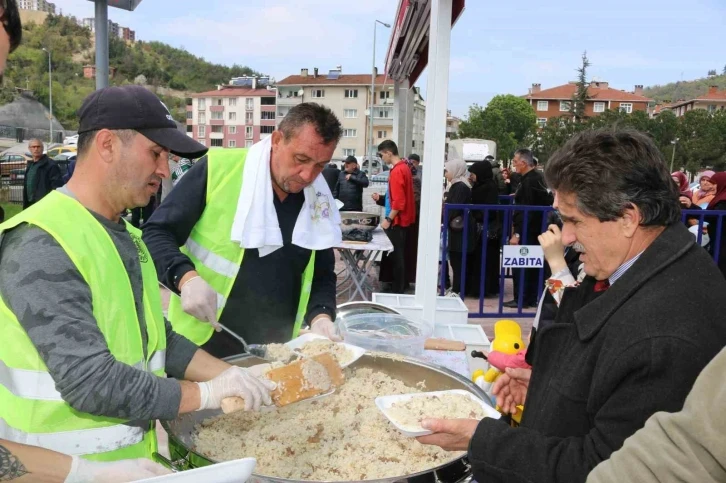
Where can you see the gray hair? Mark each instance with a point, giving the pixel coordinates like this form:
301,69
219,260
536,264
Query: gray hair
526,156
610,171
38,140
326,123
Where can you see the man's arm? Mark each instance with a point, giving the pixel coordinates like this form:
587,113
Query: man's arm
22,463
322,294
360,179
55,178
179,352
170,225
500,453
44,289
397,192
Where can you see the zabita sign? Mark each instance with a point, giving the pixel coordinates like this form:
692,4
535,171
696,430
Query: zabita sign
522,256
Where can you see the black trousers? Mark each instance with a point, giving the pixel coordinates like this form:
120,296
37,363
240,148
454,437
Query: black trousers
397,258
456,259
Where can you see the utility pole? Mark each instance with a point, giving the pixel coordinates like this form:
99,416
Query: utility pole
371,146
50,92
673,155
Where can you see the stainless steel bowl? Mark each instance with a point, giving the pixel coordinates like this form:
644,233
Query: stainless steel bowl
352,220
411,371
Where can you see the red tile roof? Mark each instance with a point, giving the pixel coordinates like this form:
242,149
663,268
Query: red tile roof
712,95
565,92
232,91
343,80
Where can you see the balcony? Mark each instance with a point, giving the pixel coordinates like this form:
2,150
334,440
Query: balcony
216,108
382,121
267,122
216,135
289,101
216,122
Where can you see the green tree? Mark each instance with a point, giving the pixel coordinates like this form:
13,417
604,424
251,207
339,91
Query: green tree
518,115
473,125
579,99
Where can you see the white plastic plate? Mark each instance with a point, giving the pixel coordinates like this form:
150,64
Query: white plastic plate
228,472
305,338
385,402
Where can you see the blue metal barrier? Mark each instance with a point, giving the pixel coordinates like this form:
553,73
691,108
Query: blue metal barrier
505,213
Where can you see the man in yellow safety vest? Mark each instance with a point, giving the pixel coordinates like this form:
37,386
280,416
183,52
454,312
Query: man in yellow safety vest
86,349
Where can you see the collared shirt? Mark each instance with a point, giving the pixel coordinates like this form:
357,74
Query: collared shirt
623,268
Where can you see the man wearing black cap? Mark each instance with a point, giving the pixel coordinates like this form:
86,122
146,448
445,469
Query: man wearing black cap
80,310
349,188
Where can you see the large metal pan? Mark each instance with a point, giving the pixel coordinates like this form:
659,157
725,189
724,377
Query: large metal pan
410,371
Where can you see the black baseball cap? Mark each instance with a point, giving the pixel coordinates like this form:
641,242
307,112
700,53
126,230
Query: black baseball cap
134,107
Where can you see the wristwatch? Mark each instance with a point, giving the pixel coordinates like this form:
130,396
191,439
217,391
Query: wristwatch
389,219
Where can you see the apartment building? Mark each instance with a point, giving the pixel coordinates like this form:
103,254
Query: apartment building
714,100
114,29
556,101
419,124
348,96
231,116
452,127
37,5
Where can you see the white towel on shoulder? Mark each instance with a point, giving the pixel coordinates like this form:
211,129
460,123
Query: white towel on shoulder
255,223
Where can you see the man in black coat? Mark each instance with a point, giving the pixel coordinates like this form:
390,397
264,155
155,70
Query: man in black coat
331,174
627,342
349,188
42,175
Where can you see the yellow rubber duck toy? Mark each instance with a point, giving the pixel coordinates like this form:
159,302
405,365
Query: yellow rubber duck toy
507,340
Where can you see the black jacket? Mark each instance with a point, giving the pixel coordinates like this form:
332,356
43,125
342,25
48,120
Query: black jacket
531,192
48,178
603,368
460,194
331,173
350,191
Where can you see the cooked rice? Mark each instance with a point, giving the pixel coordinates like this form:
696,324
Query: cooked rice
410,413
340,437
315,376
279,353
320,346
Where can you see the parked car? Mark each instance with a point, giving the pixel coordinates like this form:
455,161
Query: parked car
17,176
71,140
376,166
12,161
53,152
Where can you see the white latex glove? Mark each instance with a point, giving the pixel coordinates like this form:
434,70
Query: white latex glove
238,382
84,471
324,326
199,299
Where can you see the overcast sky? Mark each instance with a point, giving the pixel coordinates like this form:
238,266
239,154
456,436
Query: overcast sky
497,47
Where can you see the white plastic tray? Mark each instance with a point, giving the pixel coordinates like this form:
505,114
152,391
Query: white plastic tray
385,402
305,338
236,471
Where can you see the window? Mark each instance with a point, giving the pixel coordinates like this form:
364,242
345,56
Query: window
317,93
190,115
351,113
232,101
351,93
543,105
267,129
626,107
202,117
565,106
268,101
202,103
202,142
232,116
249,104
599,107
248,144
248,117
218,129
217,116
202,131
190,128
350,133
268,116
384,113
413,144
248,132
217,143
381,134
219,102
232,130
349,152
385,95
711,108
232,143
541,122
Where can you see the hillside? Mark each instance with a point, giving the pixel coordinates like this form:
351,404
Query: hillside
684,89
151,63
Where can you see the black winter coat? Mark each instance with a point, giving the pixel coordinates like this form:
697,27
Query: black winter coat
712,234
331,173
350,191
460,194
48,178
602,369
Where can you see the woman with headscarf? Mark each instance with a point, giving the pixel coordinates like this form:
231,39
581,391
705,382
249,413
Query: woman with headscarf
485,191
459,193
682,181
718,203
706,190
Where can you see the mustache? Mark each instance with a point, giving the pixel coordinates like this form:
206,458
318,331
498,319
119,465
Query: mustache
578,247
